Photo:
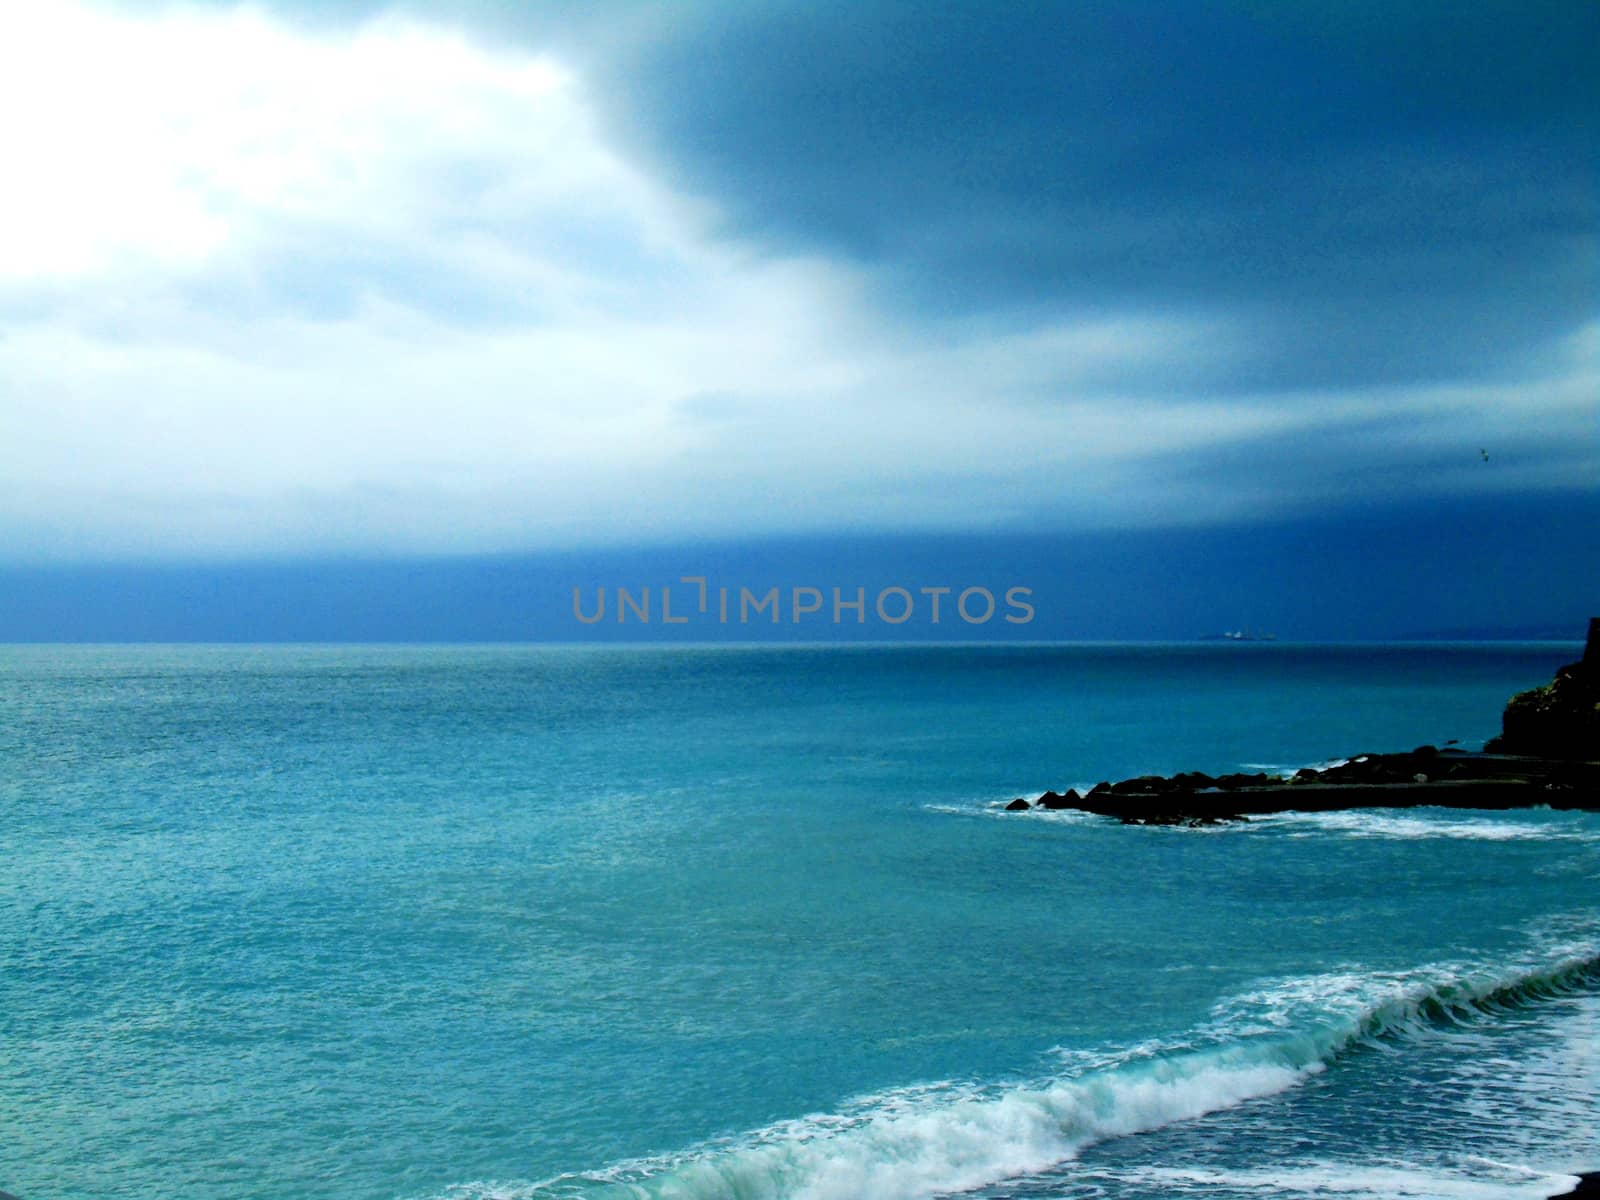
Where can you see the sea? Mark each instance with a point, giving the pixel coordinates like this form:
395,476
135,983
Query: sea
705,922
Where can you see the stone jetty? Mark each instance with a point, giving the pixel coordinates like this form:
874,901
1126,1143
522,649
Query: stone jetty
1547,754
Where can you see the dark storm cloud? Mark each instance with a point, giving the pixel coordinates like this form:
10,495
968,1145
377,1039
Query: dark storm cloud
1379,196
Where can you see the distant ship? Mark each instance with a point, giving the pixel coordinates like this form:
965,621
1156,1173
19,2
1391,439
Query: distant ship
1240,635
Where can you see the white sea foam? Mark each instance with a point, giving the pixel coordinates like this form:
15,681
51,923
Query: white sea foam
944,1139
1389,823
997,808
1388,1180
1278,769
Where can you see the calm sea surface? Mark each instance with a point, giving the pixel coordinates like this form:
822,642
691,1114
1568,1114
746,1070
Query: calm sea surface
471,922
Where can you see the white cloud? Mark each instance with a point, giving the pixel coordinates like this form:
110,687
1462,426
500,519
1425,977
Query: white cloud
160,141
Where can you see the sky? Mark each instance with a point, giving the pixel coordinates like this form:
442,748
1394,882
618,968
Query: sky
365,317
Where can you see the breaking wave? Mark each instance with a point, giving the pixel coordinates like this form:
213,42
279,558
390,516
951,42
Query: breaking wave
948,1137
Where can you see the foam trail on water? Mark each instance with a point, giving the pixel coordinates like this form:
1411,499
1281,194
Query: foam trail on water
1389,1181
1390,823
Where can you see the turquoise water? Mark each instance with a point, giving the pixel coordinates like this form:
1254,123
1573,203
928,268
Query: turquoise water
471,922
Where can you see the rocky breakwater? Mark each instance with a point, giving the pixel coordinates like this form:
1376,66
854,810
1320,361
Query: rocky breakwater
1547,755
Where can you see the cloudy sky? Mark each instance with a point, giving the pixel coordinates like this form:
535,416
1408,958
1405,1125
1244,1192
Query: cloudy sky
296,281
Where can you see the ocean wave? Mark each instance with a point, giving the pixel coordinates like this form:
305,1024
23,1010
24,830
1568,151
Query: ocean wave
1372,1006
947,1137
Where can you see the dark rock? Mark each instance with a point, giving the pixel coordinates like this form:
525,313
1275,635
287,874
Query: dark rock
1230,782
1578,790
1018,805
1374,768
1588,1187
1559,720
1056,800
1143,785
